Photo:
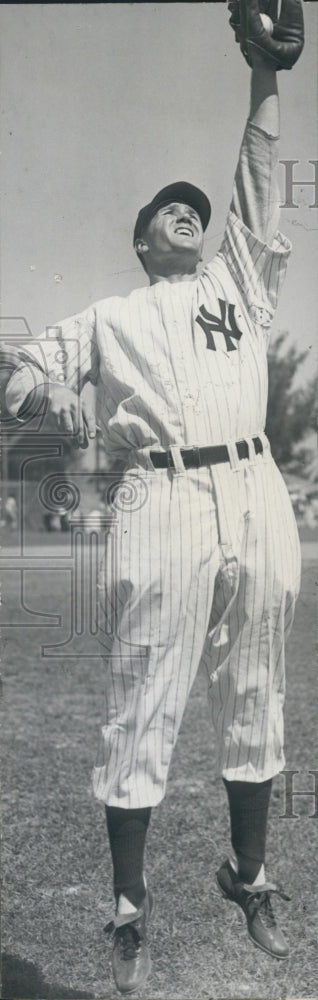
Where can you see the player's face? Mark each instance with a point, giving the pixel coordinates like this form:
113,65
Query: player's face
174,233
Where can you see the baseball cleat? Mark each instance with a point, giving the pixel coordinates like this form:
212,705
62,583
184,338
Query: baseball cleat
131,962
257,907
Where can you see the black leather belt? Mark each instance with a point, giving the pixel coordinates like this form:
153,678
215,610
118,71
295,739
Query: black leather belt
193,458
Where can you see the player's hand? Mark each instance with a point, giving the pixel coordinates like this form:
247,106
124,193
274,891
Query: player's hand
71,415
278,37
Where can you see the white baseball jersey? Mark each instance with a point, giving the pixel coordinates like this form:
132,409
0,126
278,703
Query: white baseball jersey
204,563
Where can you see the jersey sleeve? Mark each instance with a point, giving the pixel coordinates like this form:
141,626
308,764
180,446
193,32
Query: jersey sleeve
65,353
256,196
257,269
255,252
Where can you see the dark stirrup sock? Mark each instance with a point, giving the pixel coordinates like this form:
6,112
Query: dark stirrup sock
127,830
248,802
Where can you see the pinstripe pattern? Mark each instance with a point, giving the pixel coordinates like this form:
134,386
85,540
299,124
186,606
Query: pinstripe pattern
151,682
158,384
245,659
220,588
208,568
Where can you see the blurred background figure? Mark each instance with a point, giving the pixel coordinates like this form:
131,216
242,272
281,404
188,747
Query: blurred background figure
10,513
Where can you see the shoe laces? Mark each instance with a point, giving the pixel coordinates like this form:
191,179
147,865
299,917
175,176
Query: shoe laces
127,931
259,901
129,940
262,905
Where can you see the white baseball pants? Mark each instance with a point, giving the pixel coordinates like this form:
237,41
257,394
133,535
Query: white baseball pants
201,566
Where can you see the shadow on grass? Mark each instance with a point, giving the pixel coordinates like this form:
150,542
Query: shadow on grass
23,979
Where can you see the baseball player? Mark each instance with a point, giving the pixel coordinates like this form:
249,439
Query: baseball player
203,561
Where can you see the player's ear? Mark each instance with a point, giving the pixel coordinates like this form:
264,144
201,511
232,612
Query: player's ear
141,246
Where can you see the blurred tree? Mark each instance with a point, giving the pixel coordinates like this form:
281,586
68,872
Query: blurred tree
290,410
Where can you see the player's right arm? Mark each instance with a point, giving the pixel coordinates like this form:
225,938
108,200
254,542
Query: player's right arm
49,373
68,413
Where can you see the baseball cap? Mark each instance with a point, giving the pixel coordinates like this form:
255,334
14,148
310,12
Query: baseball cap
181,191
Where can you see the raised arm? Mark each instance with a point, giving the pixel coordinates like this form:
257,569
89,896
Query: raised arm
264,109
255,197
256,194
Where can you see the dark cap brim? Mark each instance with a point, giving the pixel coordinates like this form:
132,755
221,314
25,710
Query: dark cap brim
181,191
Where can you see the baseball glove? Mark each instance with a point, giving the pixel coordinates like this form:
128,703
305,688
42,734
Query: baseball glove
284,45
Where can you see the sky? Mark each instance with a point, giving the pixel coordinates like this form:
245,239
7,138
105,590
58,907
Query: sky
103,104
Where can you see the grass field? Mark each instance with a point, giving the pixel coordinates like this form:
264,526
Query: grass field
57,892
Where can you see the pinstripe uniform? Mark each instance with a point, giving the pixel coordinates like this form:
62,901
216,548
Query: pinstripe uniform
203,564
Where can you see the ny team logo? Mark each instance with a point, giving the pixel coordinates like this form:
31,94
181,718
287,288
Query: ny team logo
225,324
